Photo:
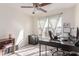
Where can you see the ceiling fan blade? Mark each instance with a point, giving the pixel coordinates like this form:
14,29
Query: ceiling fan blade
42,10
43,4
26,6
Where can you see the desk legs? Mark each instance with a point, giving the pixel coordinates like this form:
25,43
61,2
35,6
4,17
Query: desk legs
45,50
39,49
57,50
13,46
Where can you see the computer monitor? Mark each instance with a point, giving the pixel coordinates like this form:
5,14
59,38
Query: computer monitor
75,33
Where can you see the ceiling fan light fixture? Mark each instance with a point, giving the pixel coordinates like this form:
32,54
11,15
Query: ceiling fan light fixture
37,6
33,12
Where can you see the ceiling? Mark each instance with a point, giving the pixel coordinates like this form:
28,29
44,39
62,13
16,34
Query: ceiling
49,7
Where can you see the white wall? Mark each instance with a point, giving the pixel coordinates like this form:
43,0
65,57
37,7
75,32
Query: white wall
68,16
77,15
12,21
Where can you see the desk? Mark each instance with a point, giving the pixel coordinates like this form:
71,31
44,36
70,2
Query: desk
6,41
58,44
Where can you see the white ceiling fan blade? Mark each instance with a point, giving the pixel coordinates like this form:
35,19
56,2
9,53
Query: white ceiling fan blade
42,10
26,6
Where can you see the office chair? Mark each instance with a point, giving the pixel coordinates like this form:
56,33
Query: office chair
53,38
64,52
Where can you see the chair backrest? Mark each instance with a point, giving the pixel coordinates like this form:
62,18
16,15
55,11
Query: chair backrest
50,35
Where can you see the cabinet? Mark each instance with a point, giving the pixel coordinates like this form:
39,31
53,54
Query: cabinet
32,39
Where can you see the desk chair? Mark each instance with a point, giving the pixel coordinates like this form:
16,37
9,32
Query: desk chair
53,38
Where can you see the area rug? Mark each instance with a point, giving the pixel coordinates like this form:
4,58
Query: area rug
31,51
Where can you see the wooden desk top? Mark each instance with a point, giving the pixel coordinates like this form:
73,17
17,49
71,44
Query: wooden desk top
5,39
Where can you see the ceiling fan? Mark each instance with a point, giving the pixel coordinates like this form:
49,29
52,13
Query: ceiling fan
37,6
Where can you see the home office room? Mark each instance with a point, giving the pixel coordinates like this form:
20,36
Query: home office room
39,29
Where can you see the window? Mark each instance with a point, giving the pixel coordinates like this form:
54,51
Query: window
53,23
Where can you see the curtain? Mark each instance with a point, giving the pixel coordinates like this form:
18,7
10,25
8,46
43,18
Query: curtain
53,23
